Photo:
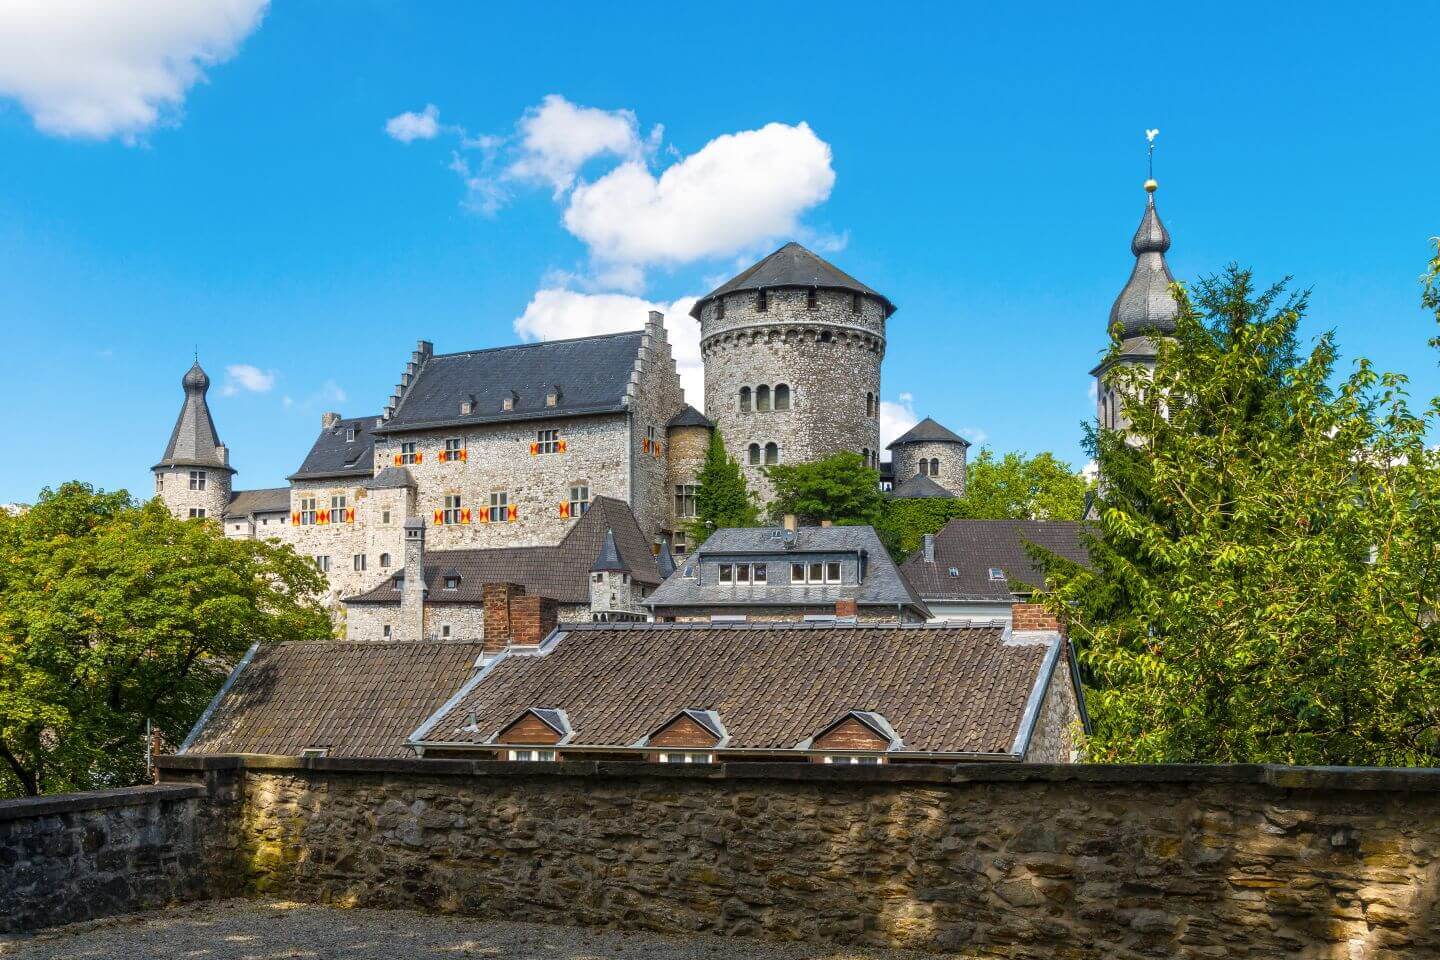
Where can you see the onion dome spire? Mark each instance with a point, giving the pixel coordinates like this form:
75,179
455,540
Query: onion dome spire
194,442
1145,306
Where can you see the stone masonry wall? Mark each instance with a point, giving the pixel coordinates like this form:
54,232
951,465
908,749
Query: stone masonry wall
180,499
684,458
989,860
906,463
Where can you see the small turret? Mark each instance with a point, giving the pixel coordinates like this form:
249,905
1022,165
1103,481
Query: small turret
194,477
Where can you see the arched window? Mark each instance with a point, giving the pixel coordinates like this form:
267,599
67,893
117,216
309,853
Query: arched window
865,455
924,467
826,336
762,399
754,453
772,453
384,559
744,399
934,466
782,397
869,404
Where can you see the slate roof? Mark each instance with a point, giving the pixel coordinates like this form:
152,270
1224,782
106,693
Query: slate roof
561,572
392,478
1145,303
792,266
972,547
690,417
334,456
245,503
883,586
943,689
593,374
928,431
920,487
357,699
193,440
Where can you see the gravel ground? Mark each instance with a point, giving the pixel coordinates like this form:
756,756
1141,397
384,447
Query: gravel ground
269,930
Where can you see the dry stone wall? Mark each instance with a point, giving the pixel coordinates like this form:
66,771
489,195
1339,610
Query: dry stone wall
989,860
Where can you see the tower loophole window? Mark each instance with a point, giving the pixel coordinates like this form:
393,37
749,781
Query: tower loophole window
869,404
782,397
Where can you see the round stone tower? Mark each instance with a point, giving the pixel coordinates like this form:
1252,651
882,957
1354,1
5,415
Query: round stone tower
930,450
194,478
792,350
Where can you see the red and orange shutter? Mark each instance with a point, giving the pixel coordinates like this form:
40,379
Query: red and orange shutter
513,513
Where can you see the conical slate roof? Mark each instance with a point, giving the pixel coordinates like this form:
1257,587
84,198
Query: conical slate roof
920,487
690,417
792,266
665,560
927,431
194,442
609,556
1145,305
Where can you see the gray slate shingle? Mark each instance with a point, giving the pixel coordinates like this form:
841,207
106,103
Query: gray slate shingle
334,456
972,547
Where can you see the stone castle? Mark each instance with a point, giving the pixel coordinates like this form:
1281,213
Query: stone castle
508,446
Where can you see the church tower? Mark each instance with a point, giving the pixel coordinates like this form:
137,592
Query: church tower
194,477
792,349
1145,311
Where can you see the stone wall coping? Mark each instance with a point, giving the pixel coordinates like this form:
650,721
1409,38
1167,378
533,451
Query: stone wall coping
1379,779
62,803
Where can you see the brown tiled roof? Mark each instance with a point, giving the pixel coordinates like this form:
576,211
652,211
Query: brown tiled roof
357,699
561,572
944,689
972,547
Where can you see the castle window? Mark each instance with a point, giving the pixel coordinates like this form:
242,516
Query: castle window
385,517
579,498
762,399
924,467
826,336
408,453
685,499
869,404
832,571
744,399
754,454
719,308
865,455
322,563
159,483
359,561
349,434
307,510
761,301
452,511
782,397
772,453
499,501
452,581
384,559
337,509
854,303
812,299
547,441
454,450
197,513
444,631
197,479
385,632
934,466
678,543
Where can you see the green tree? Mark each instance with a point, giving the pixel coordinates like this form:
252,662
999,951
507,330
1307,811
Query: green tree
1012,487
839,488
723,499
112,614
1264,580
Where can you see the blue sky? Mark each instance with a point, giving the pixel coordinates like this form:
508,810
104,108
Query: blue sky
220,176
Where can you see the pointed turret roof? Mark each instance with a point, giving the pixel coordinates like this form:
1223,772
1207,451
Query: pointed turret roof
690,417
920,487
792,266
928,431
1145,306
194,442
609,556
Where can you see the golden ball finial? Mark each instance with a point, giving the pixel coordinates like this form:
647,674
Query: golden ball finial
1150,186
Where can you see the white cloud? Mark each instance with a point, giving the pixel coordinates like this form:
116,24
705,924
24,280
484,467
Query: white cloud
105,68
896,417
410,126
558,137
738,191
975,435
555,314
243,376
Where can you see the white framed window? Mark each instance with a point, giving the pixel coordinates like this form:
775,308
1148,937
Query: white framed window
822,572
451,513
337,508
685,499
653,437
996,573
322,563
832,571
198,479
359,561
307,510
453,448
742,573
727,573
197,512
757,573
452,582
349,434
532,756
855,759
579,498
409,453
547,441
499,504
159,483
684,756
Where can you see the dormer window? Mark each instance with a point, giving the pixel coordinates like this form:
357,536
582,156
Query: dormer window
954,571
510,400
466,407
452,581
349,434
554,396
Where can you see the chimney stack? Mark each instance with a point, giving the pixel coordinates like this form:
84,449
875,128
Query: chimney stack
329,420
790,522
412,597
929,548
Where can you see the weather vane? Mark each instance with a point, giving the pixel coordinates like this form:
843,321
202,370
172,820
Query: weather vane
1150,135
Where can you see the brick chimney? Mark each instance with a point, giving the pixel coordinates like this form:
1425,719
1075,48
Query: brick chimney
498,600
846,608
1033,616
531,620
